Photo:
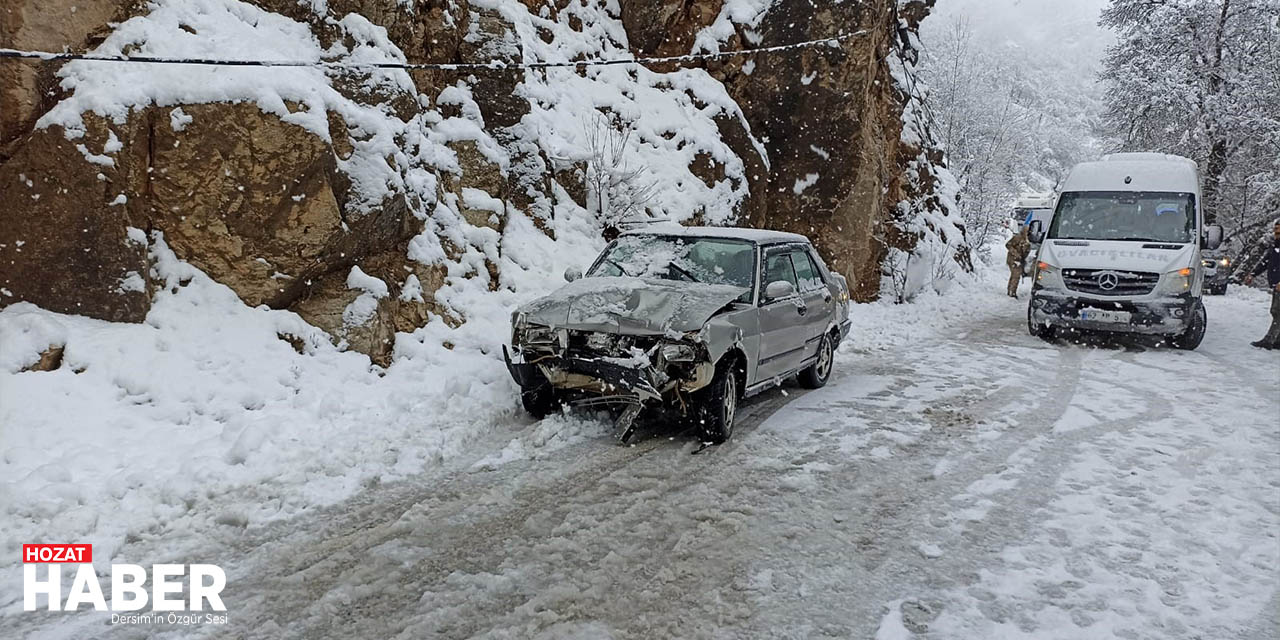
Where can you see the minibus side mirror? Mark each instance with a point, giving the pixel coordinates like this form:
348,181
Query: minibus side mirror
1035,231
1212,236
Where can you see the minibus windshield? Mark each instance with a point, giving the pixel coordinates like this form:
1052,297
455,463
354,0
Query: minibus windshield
1125,215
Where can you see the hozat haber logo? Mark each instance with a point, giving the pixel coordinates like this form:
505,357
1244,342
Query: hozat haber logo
133,588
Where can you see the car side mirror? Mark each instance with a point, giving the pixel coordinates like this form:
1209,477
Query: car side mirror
572,273
1035,231
1212,236
779,289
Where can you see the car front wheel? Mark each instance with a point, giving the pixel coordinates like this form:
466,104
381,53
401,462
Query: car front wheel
1044,332
540,402
717,404
1194,334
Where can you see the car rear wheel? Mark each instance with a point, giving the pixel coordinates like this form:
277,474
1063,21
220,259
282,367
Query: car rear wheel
816,376
717,404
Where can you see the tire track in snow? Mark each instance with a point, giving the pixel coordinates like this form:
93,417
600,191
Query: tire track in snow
296,593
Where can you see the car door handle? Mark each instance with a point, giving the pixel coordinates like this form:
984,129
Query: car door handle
801,308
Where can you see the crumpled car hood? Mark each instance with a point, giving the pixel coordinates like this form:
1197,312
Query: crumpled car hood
633,306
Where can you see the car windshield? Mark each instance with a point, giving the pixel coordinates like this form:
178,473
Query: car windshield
710,260
1125,215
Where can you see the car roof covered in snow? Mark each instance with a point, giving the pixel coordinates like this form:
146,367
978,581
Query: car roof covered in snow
757,236
1136,172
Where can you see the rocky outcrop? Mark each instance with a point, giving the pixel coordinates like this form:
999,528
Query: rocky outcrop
28,87
661,28
261,205
831,118
258,203
65,240
281,212
255,202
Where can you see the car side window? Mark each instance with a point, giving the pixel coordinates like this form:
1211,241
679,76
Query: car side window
806,272
777,266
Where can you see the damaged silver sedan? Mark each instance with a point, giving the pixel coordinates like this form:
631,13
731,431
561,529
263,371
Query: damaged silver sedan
686,319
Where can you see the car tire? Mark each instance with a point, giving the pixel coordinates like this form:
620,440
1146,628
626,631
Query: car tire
717,404
1191,338
817,374
1044,332
541,402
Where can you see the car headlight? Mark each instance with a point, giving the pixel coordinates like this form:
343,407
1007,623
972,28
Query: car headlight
1049,276
524,335
600,342
1177,282
540,335
1226,262
676,352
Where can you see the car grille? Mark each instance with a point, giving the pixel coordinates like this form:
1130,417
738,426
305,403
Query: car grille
1105,282
593,344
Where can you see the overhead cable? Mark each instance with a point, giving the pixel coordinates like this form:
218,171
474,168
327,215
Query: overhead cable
493,65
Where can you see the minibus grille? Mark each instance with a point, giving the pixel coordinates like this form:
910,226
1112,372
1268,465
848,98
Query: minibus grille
1107,282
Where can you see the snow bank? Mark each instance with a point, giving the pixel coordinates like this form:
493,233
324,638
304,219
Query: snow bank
28,333
203,412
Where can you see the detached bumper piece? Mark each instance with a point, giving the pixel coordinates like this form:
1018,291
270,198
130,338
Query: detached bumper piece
1158,317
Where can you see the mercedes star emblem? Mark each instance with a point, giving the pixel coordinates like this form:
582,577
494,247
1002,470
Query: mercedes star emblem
1108,280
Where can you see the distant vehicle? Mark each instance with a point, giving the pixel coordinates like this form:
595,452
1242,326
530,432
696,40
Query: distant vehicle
1033,206
1217,272
1122,253
691,319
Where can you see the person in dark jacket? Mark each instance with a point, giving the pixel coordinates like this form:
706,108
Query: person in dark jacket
1271,264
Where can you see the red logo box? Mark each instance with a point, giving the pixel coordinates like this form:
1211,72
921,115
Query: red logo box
51,553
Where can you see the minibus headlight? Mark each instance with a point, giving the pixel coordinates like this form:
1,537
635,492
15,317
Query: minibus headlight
1049,276
1177,282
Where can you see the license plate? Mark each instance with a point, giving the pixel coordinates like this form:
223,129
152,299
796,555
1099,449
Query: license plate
1098,315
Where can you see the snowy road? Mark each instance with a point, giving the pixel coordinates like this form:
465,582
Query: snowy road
980,484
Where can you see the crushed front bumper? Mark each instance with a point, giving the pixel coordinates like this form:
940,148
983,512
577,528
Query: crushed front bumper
586,374
1156,316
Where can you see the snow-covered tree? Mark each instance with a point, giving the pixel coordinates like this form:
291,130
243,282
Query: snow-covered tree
1012,111
1201,78
619,188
